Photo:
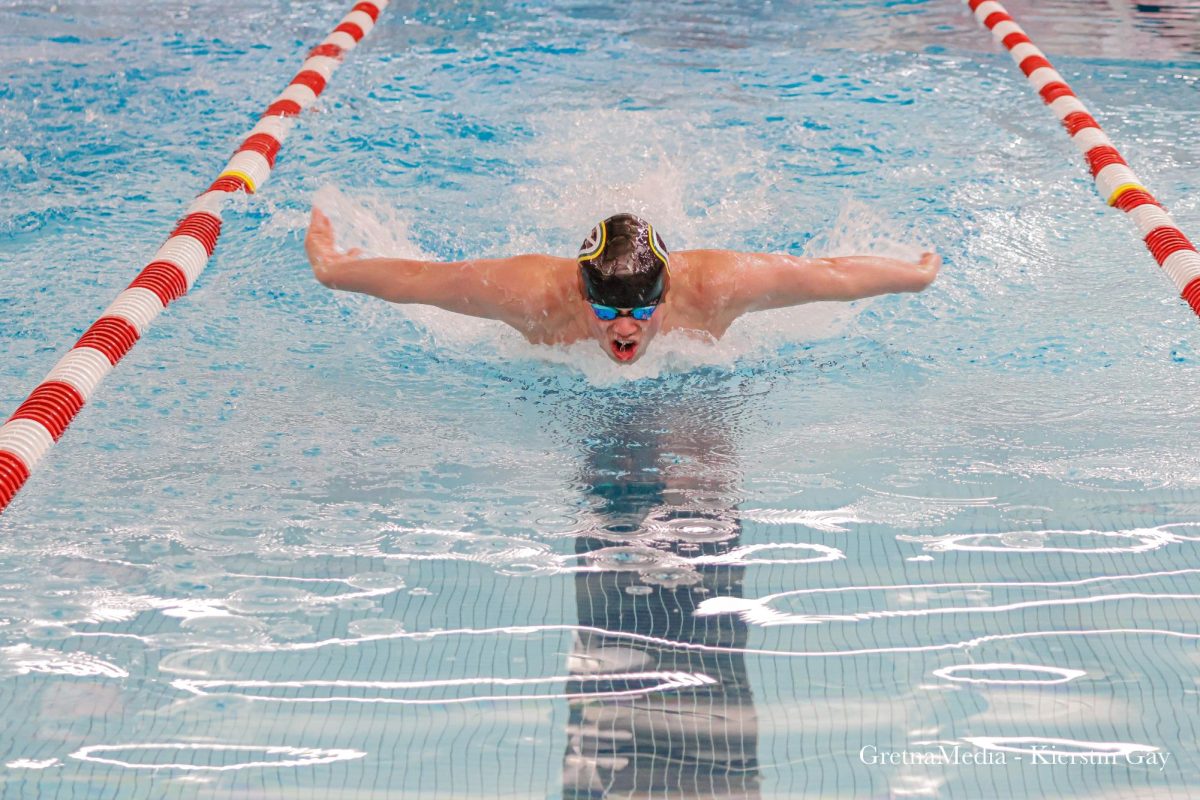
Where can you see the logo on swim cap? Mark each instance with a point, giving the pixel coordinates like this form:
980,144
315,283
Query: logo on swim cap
593,245
624,262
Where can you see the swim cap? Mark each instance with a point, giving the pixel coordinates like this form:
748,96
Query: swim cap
624,263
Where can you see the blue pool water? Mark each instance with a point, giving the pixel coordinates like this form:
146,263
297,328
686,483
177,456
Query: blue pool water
303,544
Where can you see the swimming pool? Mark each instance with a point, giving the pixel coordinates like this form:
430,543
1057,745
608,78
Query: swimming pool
303,544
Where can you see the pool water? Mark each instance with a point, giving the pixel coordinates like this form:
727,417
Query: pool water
307,544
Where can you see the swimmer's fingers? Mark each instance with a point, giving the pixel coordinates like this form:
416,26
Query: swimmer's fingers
319,245
321,241
930,263
318,242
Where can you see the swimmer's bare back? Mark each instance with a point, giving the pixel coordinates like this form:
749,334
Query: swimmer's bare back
542,295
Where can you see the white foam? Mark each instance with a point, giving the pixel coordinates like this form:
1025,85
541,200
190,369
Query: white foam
372,224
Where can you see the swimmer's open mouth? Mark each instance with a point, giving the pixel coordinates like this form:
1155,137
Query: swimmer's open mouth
624,350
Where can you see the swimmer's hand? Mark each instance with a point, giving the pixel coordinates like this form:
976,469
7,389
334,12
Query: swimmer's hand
322,251
928,267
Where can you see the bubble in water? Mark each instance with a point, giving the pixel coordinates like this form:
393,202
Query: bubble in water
638,589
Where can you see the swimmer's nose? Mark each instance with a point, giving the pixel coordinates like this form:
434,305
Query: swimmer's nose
625,326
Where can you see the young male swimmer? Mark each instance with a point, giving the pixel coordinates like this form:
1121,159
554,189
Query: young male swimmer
622,289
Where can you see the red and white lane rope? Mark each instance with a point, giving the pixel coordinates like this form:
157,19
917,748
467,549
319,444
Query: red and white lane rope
1115,181
40,421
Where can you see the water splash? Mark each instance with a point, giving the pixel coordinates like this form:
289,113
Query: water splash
582,181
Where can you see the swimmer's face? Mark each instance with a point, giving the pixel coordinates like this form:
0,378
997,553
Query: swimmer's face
624,339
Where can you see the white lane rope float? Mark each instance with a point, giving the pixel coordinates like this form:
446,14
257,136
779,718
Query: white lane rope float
1116,182
40,421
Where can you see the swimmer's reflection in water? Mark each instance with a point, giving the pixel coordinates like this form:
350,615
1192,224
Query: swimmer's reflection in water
626,738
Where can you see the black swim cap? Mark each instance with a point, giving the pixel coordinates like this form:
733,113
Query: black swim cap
624,263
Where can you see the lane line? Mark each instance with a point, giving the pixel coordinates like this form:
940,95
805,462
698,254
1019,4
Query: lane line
40,421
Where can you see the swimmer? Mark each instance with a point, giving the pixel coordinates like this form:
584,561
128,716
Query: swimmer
621,290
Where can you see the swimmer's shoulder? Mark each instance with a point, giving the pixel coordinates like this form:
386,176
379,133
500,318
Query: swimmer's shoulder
704,276
700,287
551,300
544,277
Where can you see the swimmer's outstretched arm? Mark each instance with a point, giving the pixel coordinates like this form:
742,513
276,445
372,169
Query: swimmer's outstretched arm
512,290
759,281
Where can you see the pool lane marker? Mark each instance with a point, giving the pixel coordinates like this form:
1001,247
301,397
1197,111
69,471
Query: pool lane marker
39,422
1115,181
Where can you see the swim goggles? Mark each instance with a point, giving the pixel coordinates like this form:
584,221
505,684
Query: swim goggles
609,313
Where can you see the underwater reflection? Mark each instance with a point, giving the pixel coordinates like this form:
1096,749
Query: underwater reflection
661,499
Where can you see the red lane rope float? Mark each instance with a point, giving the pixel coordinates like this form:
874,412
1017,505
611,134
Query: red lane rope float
1115,181
44,416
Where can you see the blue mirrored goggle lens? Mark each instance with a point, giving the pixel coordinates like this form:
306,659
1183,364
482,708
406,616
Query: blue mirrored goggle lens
605,313
643,313
609,313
